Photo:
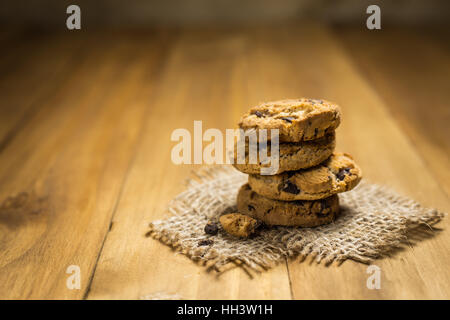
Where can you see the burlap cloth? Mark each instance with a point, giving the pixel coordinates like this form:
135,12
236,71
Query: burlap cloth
373,221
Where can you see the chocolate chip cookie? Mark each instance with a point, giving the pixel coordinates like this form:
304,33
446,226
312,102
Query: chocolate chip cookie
238,225
292,155
287,213
296,119
337,174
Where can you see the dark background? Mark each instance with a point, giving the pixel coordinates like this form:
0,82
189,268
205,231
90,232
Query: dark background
51,13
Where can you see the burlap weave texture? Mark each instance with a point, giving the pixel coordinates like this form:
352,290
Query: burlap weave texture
373,221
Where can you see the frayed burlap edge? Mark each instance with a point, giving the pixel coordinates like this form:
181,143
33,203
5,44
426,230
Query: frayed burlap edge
374,221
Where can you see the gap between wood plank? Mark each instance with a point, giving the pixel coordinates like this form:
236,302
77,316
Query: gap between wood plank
98,120
291,290
163,56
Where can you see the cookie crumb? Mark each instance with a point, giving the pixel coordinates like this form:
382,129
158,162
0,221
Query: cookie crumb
203,243
238,225
211,228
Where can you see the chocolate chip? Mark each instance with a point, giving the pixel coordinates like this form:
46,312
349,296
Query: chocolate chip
290,173
342,173
288,119
251,208
258,114
320,214
202,243
211,228
316,131
324,205
290,188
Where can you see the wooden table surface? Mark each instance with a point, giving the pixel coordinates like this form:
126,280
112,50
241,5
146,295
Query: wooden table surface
86,119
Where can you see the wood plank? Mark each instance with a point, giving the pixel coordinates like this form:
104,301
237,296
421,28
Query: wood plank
204,80
409,70
74,152
307,61
37,68
98,129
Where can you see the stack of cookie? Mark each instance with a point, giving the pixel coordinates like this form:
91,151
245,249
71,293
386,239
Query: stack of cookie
303,191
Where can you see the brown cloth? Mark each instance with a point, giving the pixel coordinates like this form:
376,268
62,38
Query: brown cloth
373,221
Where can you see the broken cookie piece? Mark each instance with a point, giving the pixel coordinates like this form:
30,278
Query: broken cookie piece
238,225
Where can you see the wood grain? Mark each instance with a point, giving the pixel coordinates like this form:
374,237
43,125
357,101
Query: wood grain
74,153
416,90
197,86
91,147
368,133
21,78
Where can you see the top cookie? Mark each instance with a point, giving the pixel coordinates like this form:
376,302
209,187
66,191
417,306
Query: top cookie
338,174
296,119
